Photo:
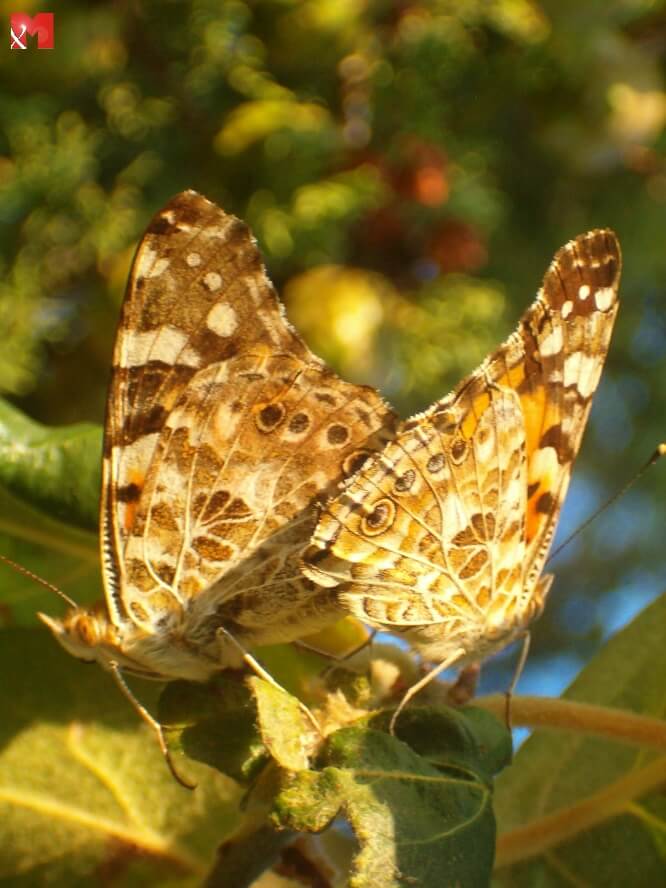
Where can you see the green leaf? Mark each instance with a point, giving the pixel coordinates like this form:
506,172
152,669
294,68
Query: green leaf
284,728
84,790
450,737
62,555
593,809
266,722
56,470
197,717
416,822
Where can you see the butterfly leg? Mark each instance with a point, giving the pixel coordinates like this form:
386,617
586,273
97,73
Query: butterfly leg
338,658
259,670
154,724
517,672
415,688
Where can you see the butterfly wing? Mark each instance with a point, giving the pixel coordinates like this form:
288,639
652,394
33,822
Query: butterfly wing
565,340
222,428
444,534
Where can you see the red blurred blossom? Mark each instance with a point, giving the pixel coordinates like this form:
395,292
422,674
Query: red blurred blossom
456,246
383,228
422,174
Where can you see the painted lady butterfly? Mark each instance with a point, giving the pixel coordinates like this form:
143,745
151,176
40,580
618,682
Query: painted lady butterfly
222,430
442,537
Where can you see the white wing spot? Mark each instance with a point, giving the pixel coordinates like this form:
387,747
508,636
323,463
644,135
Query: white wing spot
583,371
543,466
567,308
148,265
213,281
583,292
158,268
255,291
167,344
572,368
193,259
604,298
589,378
129,456
552,343
222,319
211,231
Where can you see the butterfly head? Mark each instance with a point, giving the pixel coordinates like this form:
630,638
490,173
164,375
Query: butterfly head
88,635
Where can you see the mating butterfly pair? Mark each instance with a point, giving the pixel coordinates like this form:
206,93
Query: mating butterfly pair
226,441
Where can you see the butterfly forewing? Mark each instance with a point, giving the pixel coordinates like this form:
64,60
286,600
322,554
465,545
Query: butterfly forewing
570,330
444,534
197,295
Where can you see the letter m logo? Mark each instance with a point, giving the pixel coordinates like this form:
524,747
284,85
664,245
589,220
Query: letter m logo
39,26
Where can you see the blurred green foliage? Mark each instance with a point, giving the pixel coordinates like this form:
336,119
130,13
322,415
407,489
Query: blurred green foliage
409,169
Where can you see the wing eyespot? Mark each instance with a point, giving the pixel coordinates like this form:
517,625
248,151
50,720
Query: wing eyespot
458,451
405,482
355,461
337,434
380,518
436,463
270,417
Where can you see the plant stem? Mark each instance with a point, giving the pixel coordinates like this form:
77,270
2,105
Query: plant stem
602,721
553,829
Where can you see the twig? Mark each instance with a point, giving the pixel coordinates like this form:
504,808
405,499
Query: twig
584,718
547,832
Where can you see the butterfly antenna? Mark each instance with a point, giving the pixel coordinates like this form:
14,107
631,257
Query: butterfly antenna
517,672
656,456
42,582
420,684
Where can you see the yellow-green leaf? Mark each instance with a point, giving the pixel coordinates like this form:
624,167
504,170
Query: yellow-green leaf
215,723
580,809
284,727
84,790
54,469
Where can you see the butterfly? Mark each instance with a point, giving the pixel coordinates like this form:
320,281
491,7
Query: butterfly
222,433
443,535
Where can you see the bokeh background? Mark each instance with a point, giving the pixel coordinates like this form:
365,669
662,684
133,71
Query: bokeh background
409,168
